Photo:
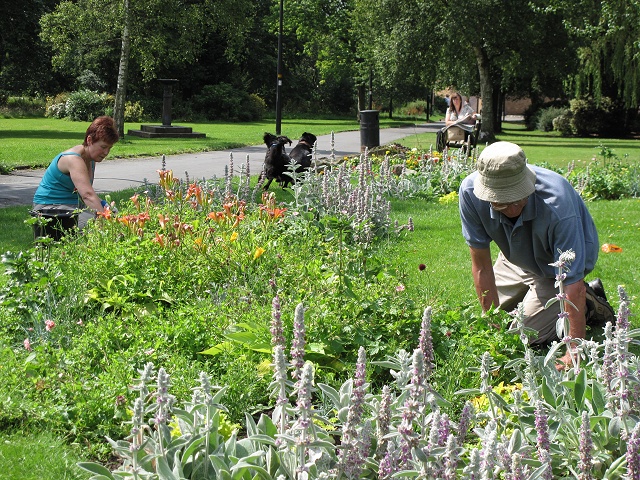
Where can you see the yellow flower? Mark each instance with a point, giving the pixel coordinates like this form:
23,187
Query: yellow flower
234,236
258,253
451,197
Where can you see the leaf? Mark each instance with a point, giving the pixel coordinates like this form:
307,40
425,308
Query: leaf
332,393
218,349
547,394
163,470
97,469
468,391
193,447
580,388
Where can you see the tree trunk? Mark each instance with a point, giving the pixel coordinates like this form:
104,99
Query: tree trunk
121,89
486,93
362,99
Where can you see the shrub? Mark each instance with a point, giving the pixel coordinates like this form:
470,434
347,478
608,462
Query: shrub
24,106
85,105
589,117
562,124
56,107
133,112
88,80
226,102
546,117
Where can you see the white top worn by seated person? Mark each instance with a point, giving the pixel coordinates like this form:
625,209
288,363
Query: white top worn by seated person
465,113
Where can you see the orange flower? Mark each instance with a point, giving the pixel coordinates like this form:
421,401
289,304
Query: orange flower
162,220
258,253
159,239
135,201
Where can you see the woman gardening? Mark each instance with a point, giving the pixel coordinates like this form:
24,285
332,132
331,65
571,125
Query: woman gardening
67,184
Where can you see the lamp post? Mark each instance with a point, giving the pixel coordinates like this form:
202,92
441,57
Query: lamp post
279,83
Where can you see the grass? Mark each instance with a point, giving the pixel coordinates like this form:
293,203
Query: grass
436,242
33,142
37,457
550,147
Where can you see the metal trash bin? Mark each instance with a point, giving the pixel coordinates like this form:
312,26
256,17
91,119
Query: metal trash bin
369,129
59,224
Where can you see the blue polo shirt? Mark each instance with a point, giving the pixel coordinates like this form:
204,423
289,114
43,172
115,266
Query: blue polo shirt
554,220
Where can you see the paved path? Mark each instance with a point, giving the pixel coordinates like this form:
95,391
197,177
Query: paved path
113,175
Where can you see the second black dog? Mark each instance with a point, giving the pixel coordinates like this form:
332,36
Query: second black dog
276,160
302,152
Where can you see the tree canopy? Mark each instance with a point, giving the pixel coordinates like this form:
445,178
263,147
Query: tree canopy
406,48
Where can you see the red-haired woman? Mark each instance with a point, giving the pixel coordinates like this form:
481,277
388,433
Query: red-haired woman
67,185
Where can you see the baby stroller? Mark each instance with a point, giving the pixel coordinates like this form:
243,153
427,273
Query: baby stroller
459,135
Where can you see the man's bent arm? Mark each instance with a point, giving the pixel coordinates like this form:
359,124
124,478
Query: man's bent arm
576,294
483,277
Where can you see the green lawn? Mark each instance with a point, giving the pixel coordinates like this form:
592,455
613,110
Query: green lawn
33,142
436,242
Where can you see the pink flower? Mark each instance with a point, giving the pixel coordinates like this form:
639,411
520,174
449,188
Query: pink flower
49,325
27,344
400,288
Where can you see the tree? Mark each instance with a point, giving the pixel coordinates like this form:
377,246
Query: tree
397,42
609,36
153,37
25,64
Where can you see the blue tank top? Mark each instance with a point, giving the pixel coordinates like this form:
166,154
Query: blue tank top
56,187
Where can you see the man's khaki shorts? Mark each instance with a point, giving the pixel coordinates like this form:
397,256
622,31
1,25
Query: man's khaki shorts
515,286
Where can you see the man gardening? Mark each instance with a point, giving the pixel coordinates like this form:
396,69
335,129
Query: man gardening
532,214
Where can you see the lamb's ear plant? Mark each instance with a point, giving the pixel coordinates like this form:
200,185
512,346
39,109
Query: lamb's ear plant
580,423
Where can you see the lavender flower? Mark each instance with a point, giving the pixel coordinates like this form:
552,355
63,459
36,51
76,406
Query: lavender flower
389,464
279,389
425,342
633,454
277,331
472,470
305,415
466,417
543,443
450,458
517,471
585,465
489,449
384,420
299,341
350,461
164,400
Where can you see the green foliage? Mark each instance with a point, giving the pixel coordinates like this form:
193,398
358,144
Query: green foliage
85,105
133,112
226,102
590,117
555,421
57,105
547,116
22,107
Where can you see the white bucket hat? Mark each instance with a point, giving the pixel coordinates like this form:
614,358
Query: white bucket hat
503,174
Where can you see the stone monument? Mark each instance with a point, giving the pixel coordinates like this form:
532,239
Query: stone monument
166,129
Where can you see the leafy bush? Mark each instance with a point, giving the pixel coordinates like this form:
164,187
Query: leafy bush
88,80
562,124
85,105
589,117
24,106
133,112
547,116
56,106
226,102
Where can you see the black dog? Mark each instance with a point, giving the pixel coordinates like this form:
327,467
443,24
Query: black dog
302,152
276,160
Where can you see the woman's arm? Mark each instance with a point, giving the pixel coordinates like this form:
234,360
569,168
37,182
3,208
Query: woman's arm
80,176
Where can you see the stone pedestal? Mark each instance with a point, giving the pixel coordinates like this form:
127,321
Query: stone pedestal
166,129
